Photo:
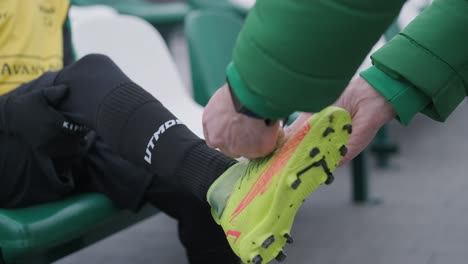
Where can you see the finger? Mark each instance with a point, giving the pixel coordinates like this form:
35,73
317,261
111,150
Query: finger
209,143
298,123
55,94
360,138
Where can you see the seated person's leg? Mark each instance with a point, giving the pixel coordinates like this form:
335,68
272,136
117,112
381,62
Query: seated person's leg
146,133
96,168
129,186
137,126
204,240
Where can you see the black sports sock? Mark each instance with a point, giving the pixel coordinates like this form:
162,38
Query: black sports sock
137,126
201,167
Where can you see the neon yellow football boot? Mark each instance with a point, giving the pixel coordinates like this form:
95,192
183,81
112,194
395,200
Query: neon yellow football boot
256,201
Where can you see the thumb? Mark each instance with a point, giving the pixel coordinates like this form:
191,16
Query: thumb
55,94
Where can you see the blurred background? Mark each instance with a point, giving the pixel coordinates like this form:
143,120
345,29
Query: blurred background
402,201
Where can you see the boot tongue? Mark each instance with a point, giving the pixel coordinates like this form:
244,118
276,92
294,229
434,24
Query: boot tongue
221,189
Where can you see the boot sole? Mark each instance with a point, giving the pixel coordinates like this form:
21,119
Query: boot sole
311,165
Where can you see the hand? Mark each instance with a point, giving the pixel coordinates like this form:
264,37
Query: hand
31,115
369,112
236,134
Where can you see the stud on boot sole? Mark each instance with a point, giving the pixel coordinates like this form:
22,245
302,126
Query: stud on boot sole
314,152
281,256
270,240
343,150
328,131
348,128
296,183
289,238
257,259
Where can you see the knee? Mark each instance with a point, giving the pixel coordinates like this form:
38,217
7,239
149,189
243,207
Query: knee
95,60
93,70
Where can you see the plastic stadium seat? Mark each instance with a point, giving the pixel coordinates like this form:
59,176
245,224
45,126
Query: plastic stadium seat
211,36
156,14
210,3
44,233
241,7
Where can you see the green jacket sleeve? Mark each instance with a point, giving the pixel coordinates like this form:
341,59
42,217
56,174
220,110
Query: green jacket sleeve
299,55
426,64
404,98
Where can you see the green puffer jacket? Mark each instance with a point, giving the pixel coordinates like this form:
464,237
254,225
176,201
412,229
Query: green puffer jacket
300,55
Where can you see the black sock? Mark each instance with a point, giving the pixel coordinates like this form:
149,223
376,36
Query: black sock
137,126
201,167
154,138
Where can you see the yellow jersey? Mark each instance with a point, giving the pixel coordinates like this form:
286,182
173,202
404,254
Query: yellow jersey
31,40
